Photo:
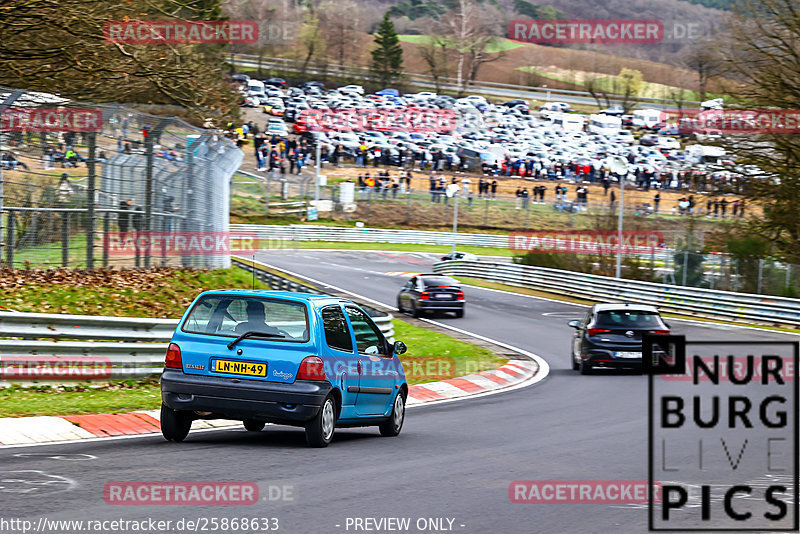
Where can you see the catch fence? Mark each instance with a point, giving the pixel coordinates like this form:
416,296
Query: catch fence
85,185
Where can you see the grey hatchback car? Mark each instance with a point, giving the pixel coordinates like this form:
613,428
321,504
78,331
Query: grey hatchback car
610,335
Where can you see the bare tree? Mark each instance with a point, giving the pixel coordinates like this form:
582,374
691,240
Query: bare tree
706,62
435,54
339,21
310,37
762,54
471,30
60,47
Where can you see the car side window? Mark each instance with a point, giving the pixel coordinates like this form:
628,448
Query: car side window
337,335
369,339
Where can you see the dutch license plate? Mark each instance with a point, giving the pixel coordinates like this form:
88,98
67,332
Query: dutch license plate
239,368
442,295
623,354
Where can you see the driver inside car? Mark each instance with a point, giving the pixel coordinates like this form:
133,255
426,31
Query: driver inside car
256,320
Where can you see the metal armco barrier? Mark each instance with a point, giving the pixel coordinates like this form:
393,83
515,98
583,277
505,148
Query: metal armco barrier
138,351
425,80
39,325
683,300
307,232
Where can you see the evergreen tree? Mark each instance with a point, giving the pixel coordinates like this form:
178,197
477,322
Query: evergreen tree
387,57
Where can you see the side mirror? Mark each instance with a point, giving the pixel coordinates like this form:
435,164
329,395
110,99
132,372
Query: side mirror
399,347
574,323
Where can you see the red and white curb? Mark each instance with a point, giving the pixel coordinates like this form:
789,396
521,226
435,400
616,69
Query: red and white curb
514,373
20,431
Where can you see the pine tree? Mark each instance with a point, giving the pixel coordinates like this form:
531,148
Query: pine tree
387,57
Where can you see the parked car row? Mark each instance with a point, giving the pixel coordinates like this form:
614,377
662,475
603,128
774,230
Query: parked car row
485,133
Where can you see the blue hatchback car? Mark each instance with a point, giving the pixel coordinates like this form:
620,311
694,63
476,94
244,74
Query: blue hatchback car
279,357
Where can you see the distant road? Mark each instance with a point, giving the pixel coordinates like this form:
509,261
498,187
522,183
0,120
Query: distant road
500,90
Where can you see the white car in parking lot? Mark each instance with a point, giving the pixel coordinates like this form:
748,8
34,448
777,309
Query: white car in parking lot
668,143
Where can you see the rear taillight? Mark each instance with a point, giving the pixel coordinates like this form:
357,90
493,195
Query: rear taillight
595,331
424,295
173,357
460,295
311,368
665,332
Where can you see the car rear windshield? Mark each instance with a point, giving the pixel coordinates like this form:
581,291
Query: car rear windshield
232,316
438,281
628,319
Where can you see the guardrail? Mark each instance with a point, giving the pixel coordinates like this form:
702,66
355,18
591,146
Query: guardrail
426,80
138,351
709,303
306,232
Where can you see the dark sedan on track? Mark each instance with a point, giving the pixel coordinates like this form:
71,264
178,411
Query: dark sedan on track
431,293
610,335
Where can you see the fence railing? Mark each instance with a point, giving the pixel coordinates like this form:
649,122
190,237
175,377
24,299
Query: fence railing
740,307
303,232
422,80
142,342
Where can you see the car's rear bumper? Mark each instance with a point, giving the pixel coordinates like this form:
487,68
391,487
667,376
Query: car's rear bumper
242,399
607,358
441,305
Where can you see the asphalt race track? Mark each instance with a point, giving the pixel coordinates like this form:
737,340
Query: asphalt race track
453,461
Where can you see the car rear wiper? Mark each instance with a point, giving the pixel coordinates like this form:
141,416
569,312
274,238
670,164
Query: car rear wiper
251,334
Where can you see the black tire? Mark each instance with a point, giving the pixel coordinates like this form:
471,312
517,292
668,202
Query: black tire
319,431
400,305
252,425
392,426
175,424
575,365
414,311
585,368
459,314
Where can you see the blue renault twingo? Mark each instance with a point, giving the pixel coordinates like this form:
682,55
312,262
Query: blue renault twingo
279,357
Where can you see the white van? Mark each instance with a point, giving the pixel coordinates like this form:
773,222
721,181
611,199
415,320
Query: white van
255,87
567,122
705,153
608,125
646,118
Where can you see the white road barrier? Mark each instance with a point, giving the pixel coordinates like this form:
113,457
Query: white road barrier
698,302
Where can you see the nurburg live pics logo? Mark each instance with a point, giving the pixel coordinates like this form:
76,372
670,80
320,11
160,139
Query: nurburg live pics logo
722,440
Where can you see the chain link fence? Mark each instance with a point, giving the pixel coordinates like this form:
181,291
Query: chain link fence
86,185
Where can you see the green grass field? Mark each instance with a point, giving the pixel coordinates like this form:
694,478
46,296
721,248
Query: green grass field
498,45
